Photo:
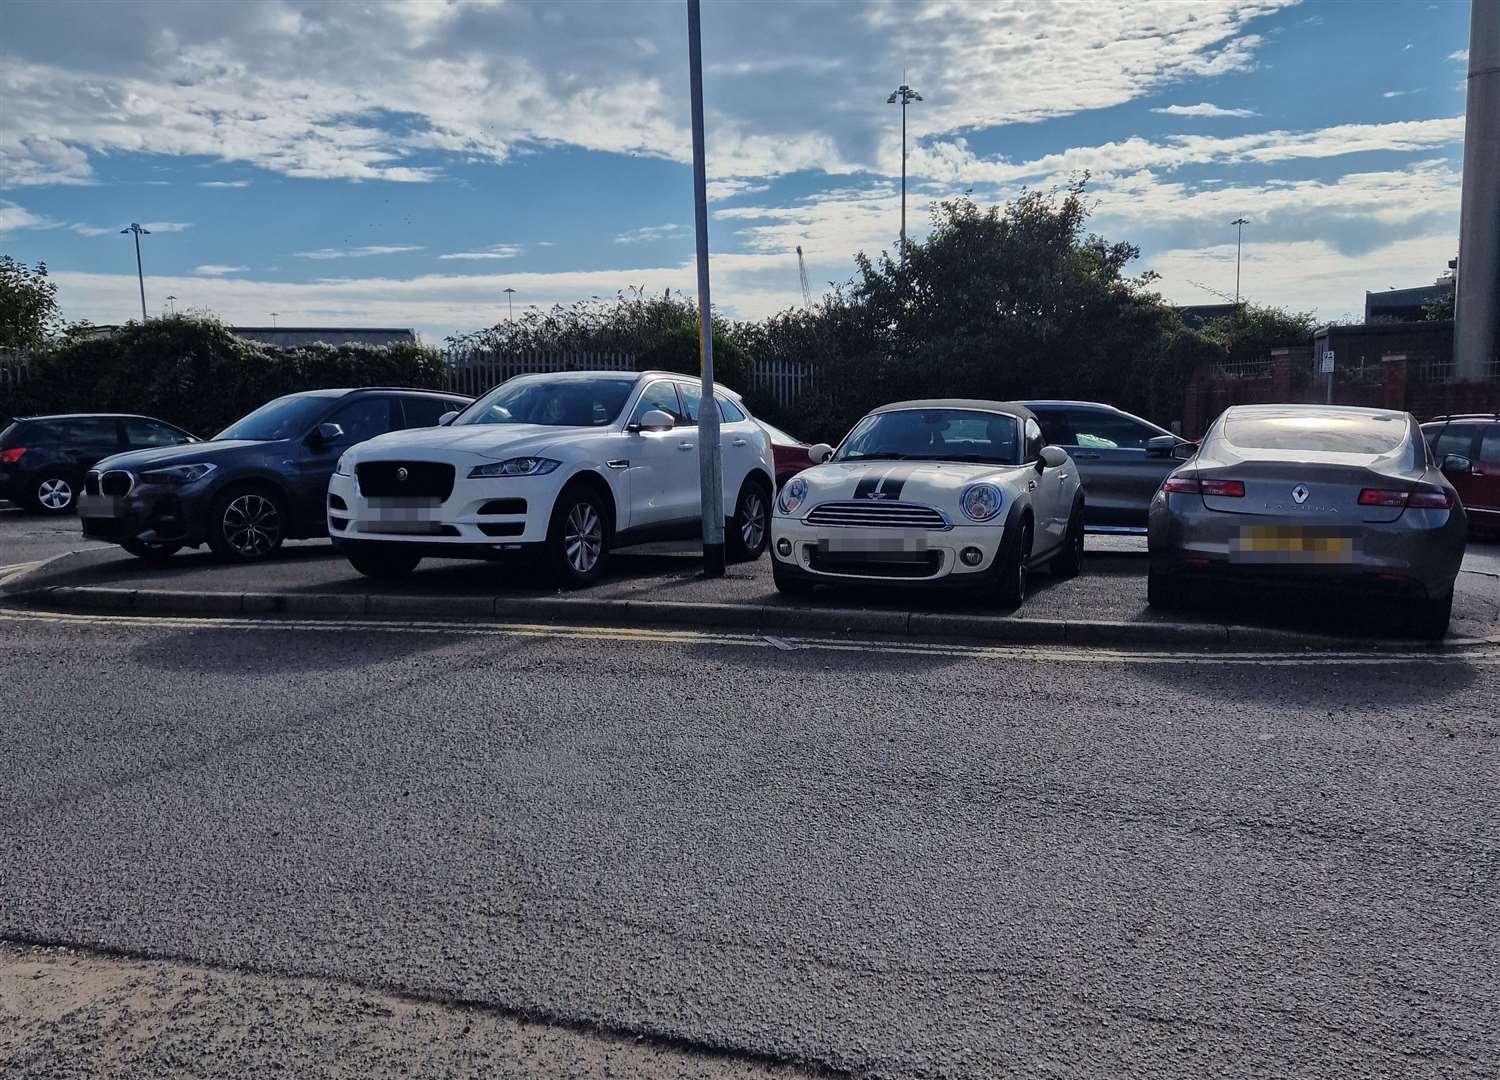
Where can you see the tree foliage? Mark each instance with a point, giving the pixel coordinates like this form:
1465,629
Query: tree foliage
29,315
192,371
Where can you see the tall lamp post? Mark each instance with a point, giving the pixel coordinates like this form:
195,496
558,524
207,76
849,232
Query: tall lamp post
172,303
906,95
510,302
1239,223
140,277
710,465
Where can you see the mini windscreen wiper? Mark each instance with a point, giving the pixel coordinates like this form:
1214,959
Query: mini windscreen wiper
877,457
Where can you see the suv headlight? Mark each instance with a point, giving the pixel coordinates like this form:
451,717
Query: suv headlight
178,474
343,468
981,502
793,495
516,466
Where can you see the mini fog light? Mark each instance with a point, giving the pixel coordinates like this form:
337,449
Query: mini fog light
784,548
971,556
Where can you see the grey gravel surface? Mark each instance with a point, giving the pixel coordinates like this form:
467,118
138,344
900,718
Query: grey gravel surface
69,1014
891,862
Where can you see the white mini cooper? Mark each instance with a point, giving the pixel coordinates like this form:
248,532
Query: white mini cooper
571,464
950,492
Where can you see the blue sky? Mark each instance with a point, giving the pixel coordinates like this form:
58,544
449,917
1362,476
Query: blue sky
402,164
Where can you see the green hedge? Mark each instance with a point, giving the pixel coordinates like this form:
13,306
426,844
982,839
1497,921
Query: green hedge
192,372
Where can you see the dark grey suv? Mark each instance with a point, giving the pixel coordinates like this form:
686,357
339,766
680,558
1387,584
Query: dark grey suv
1121,458
260,481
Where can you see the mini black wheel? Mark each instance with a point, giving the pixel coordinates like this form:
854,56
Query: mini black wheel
1068,563
1014,566
787,584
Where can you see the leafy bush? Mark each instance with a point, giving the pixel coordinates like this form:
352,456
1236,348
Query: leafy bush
193,372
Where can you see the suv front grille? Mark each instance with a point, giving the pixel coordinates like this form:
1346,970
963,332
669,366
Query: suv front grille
423,479
114,482
877,514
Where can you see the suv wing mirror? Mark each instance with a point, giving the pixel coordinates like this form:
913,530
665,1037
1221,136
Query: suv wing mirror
328,433
819,453
653,420
447,418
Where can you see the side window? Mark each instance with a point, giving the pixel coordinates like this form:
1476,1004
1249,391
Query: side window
729,412
1108,431
92,431
1454,439
659,395
140,434
1489,445
1033,441
423,411
1055,431
692,400
363,418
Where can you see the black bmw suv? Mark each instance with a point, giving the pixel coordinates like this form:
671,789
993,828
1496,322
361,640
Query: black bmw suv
260,481
43,459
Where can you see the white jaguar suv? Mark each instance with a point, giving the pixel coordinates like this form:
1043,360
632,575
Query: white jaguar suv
574,464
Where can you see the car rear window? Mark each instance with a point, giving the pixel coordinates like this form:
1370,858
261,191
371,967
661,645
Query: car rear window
1315,433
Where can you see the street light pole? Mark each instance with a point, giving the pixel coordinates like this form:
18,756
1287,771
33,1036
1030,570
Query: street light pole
140,276
510,303
1239,223
710,467
906,95
273,319
172,303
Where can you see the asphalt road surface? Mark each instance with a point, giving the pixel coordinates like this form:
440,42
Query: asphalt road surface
888,859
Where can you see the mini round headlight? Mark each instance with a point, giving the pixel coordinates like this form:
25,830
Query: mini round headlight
981,502
792,495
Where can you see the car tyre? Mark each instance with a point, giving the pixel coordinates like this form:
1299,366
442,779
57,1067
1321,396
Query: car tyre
247,524
748,533
1068,563
383,562
578,538
54,493
786,584
1428,619
1014,566
156,552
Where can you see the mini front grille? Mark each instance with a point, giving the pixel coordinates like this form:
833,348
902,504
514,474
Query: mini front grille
870,566
91,484
877,514
392,479
115,482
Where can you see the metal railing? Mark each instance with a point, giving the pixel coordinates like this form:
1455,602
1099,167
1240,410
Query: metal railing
476,371
781,380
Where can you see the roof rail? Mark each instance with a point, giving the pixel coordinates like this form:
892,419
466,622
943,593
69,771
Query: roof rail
1466,416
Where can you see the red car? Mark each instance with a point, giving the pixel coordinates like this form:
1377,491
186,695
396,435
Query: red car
1476,438
790,454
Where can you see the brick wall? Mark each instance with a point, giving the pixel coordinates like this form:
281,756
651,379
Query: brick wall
1405,366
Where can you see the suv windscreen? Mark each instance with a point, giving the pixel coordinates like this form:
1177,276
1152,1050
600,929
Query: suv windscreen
553,401
934,435
1316,433
287,417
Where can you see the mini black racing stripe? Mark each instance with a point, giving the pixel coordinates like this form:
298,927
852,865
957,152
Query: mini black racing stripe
887,485
867,485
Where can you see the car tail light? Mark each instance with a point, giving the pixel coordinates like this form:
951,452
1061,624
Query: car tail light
1192,485
1417,500
11,456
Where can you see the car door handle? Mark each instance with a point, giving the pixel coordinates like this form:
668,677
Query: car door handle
684,446
738,442
1085,457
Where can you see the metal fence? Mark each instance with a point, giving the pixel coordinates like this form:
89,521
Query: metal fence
1254,367
781,380
476,371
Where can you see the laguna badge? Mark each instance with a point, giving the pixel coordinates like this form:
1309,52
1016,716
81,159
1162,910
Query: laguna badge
1300,494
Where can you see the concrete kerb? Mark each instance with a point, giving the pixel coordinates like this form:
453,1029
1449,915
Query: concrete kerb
781,618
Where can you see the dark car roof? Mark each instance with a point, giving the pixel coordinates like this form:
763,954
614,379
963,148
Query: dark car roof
90,416
343,391
1013,408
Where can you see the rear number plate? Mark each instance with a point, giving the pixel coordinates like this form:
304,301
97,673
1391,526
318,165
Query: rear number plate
1292,544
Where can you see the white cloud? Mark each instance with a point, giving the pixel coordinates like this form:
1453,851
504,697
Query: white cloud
224,183
363,252
214,270
499,251
1203,109
1461,56
150,226
1399,93
13,217
649,234
729,187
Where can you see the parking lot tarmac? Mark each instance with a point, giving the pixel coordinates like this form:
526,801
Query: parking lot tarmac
890,859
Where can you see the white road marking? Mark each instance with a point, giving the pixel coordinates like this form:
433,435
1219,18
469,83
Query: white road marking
1486,655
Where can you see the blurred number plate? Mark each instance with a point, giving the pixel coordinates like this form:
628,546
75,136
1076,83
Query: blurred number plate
1292,543
883,550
